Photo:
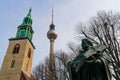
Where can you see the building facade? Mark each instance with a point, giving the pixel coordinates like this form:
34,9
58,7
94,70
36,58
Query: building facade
17,62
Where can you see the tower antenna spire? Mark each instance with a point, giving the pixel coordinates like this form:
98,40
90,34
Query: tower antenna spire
52,12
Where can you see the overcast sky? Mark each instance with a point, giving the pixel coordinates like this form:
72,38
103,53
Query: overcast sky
67,14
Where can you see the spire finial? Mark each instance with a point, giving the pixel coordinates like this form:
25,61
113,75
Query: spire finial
52,13
29,13
30,9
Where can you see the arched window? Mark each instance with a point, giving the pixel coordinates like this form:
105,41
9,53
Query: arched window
16,48
29,52
13,63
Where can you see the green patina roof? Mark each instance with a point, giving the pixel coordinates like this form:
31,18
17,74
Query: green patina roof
25,29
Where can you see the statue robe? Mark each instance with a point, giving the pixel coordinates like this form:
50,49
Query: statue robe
94,68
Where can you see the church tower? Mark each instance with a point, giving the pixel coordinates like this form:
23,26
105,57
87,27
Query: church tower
17,62
52,35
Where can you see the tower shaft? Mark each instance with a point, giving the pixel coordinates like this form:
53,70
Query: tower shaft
52,47
52,61
16,60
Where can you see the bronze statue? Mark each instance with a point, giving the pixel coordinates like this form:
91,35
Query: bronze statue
91,64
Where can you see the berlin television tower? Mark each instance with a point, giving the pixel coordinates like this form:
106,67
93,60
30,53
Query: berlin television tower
52,35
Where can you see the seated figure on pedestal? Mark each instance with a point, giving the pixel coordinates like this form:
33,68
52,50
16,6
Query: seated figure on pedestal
91,64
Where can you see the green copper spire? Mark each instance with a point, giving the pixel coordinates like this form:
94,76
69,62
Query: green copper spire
25,29
29,13
27,21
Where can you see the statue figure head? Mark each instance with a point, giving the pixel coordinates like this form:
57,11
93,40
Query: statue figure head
86,44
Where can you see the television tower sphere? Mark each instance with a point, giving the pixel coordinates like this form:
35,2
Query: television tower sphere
52,34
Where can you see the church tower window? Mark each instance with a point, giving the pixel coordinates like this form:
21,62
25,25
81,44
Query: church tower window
13,63
16,48
29,53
